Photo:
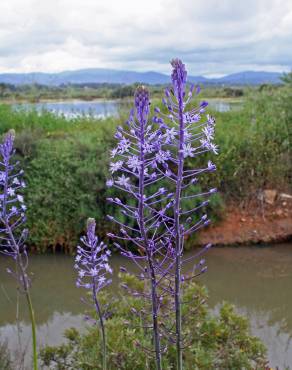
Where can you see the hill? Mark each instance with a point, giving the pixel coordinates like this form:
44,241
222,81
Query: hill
100,75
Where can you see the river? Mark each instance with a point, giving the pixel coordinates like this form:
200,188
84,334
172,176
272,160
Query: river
257,280
106,108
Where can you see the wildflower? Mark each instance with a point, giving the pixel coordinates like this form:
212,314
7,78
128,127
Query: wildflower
89,265
188,151
134,163
114,152
20,198
10,192
162,156
193,136
157,152
12,234
124,145
109,183
144,160
115,166
170,135
211,166
123,181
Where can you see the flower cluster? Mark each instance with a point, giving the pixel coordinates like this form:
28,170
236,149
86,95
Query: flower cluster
91,261
193,135
12,209
92,265
12,218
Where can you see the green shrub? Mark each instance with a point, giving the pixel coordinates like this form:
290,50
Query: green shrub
66,184
214,341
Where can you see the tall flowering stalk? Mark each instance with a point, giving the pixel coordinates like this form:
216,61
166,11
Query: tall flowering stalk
192,136
158,221
12,219
139,167
93,267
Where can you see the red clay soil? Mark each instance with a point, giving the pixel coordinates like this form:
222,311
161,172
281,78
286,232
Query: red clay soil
251,225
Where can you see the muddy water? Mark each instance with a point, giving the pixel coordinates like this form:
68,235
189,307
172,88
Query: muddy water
258,280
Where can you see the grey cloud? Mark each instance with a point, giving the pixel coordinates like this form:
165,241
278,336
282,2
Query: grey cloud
213,37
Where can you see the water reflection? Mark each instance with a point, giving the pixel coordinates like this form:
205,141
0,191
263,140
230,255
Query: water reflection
50,332
76,108
257,280
106,108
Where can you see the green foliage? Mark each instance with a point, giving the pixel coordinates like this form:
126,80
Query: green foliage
287,78
66,182
254,145
123,92
66,162
214,341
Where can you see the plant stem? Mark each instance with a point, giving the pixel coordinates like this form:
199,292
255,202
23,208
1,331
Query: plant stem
98,310
178,235
33,329
25,283
23,279
141,222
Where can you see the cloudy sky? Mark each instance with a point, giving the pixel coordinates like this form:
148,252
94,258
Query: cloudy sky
213,37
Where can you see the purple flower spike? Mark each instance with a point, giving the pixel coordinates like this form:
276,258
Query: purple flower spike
192,134
13,235
143,164
12,210
91,263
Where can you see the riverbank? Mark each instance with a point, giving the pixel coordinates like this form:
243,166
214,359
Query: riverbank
254,224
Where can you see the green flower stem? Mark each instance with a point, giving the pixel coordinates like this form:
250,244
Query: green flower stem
33,330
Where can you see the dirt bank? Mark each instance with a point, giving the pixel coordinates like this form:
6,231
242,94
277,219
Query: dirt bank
252,224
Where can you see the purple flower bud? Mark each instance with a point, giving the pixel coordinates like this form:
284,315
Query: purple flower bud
91,229
178,77
109,183
203,104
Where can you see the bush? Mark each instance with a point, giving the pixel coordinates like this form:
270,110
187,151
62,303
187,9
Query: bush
214,342
66,182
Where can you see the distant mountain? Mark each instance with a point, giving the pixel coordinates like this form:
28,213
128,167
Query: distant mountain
100,75
250,78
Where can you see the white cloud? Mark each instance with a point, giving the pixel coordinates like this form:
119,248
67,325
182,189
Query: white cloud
213,37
